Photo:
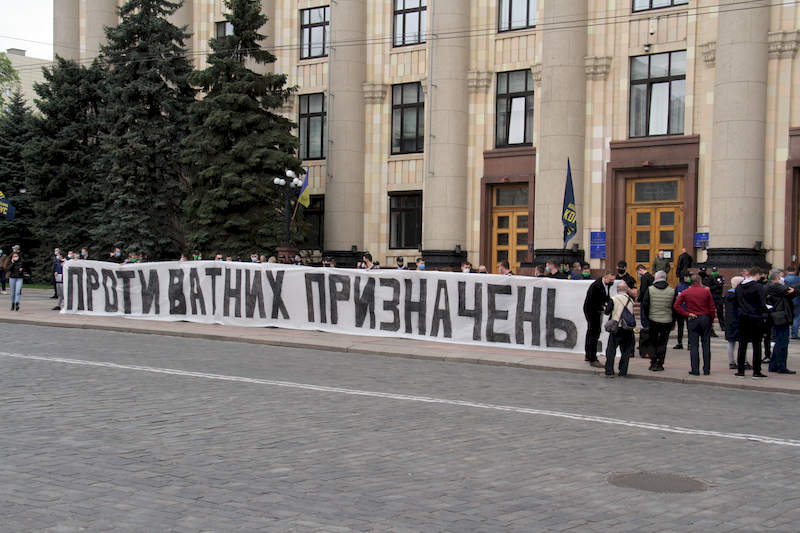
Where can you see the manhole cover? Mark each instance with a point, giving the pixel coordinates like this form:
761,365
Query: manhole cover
657,482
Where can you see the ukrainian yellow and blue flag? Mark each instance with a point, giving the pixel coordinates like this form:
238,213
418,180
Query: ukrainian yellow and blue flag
305,196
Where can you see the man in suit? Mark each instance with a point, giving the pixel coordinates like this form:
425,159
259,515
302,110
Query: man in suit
593,306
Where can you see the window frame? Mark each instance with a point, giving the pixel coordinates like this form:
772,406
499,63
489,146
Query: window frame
305,143
419,105
649,82
400,211
528,24
227,25
316,209
404,11
509,98
672,3
306,47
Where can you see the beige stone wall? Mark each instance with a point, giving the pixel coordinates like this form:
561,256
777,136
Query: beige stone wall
614,34
29,70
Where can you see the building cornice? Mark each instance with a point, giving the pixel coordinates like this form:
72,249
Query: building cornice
375,93
479,81
598,67
709,51
784,44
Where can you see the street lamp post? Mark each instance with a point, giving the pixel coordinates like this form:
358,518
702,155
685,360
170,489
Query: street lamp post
287,186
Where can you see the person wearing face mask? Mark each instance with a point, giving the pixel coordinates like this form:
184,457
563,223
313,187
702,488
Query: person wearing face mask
466,267
597,296
16,273
683,284
420,263
401,263
254,258
116,256
84,254
716,284
624,275
586,272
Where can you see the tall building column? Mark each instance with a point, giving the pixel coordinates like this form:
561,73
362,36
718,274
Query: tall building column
344,186
562,119
66,29
737,147
444,215
98,15
184,16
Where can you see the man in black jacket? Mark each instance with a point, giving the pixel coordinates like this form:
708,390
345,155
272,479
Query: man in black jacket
716,284
593,306
645,280
684,264
780,297
53,268
624,275
751,307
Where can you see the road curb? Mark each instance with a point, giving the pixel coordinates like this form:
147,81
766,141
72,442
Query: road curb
384,352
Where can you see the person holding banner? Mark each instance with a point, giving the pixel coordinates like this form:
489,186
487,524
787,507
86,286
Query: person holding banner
16,273
596,299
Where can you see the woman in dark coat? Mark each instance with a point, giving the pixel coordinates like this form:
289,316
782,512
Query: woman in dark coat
732,323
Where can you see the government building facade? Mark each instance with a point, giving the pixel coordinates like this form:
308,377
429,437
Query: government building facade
442,128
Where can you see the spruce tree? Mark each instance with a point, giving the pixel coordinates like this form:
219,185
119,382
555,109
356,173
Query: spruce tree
15,132
238,142
67,189
144,119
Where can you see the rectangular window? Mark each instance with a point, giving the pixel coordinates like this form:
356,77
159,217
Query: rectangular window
514,109
314,215
311,126
223,29
516,14
405,220
644,5
408,118
314,37
658,92
410,21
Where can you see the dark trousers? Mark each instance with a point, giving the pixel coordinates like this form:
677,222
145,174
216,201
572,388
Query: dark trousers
644,319
720,313
624,339
778,360
3,279
681,324
699,330
767,335
593,335
55,288
659,337
751,331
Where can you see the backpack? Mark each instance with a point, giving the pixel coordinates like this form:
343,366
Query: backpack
626,322
626,319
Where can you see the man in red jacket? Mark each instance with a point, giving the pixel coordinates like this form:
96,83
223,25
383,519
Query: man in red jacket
697,304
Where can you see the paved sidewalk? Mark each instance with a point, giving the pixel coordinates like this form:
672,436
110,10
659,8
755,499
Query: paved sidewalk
36,310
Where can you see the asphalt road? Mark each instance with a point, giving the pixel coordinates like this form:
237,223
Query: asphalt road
107,431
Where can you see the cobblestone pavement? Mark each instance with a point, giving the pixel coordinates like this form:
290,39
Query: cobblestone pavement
296,447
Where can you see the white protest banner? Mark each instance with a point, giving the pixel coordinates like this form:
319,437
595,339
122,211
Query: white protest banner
487,309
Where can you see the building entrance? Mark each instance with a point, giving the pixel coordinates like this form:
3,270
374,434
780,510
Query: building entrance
654,215
509,226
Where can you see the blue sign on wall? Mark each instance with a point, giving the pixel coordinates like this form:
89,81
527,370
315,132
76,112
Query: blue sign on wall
701,240
597,245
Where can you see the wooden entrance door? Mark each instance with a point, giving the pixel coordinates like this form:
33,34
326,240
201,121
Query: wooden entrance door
654,223
510,222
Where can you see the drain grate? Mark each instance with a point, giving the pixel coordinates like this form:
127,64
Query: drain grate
657,482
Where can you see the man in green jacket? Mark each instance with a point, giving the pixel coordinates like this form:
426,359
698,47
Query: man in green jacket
661,263
657,306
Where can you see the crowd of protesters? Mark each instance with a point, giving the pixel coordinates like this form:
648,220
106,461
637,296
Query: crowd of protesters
760,309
